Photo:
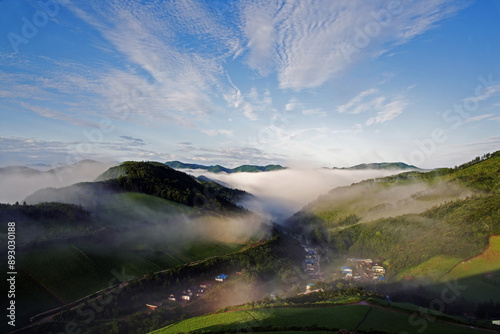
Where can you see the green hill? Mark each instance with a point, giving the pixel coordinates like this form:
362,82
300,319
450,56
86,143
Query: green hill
66,252
149,178
142,217
220,169
410,221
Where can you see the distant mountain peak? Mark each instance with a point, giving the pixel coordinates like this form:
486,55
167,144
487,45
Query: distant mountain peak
381,165
219,168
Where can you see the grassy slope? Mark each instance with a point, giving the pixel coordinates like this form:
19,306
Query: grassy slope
346,317
481,274
132,208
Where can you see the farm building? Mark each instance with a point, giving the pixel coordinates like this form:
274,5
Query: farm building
152,307
205,285
346,270
221,278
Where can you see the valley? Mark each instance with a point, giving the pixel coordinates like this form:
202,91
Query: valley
134,250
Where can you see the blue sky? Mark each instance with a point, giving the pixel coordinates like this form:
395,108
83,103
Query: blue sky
316,83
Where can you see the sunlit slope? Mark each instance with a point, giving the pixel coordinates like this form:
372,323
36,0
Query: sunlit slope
419,224
480,275
306,319
405,193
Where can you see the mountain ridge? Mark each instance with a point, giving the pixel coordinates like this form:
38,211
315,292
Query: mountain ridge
219,168
380,165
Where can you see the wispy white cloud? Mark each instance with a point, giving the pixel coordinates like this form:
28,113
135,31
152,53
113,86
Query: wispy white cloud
165,79
386,108
260,32
355,105
484,93
212,133
231,155
389,111
314,112
132,140
255,102
310,43
52,114
477,118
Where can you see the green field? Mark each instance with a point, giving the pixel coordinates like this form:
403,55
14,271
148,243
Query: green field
480,275
434,268
350,317
487,262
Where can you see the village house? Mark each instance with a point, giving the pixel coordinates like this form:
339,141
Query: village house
378,269
152,307
347,272
221,278
206,285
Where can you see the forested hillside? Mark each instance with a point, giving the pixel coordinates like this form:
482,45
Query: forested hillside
411,218
149,178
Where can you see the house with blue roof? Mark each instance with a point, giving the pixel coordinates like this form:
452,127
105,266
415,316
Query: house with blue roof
347,271
221,278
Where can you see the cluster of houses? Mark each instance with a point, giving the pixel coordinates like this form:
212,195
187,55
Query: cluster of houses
312,266
191,292
366,267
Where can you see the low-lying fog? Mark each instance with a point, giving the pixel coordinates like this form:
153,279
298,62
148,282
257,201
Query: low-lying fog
282,193
16,183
